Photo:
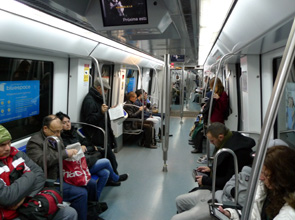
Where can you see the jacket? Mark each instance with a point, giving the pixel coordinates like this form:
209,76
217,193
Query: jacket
35,152
227,195
242,147
20,177
133,112
286,212
219,109
91,114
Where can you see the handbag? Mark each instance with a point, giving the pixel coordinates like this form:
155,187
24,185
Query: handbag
75,169
92,157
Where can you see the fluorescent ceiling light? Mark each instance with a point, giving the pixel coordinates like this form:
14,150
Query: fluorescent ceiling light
212,17
33,14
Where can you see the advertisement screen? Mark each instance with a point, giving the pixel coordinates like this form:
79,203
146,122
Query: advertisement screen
124,12
19,99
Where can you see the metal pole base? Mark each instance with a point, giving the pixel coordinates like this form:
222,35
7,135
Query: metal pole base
165,166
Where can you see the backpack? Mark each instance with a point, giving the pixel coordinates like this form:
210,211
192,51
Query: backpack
42,206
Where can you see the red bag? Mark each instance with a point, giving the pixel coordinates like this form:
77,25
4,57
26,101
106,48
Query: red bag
42,206
75,169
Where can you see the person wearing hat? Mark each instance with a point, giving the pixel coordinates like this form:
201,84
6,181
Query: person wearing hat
93,112
20,177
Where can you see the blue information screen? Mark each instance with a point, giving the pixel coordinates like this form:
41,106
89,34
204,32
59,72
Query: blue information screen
19,99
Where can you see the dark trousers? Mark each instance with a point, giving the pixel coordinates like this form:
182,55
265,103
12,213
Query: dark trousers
148,127
198,141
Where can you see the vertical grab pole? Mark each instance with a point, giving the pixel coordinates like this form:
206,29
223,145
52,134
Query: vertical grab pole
272,110
182,93
225,150
105,144
60,164
167,111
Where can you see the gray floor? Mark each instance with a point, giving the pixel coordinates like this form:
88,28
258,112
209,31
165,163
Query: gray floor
149,193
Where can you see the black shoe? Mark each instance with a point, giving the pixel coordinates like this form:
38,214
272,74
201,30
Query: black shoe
191,143
123,177
99,218
101,207
195,151
113,183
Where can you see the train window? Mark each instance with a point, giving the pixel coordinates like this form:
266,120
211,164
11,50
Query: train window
131,80
107,73
26,94
285,123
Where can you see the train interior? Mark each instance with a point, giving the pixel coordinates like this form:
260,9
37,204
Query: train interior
58,64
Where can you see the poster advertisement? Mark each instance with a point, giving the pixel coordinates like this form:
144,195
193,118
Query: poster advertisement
19,99
290,108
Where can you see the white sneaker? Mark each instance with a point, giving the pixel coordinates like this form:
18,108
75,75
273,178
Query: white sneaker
203,159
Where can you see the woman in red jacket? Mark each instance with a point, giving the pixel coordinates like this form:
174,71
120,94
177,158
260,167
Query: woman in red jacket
220,106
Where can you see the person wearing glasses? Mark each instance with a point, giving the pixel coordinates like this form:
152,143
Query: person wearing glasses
275,195
52,126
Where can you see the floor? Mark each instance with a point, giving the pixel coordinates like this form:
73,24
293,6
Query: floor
149,193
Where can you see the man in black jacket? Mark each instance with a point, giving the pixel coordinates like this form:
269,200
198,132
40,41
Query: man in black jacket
222,137
93,112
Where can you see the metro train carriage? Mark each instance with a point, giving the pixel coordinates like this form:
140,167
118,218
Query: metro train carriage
52,51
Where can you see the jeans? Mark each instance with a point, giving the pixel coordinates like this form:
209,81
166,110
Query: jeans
103,169
77,196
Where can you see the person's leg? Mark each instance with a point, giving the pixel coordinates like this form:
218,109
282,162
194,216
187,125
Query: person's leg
104,164
103,176
112,158
77,196
156,125
66,213
147,133
187,201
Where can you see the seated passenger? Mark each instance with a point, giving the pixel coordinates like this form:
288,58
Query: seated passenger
194,205
147,115
93,112
222,137
275,195
52,126
100,167
29,181
136,112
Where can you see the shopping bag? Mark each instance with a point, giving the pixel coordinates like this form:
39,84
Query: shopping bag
75,169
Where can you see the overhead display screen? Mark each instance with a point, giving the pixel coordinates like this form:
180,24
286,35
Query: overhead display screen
124,12
18,99
177,58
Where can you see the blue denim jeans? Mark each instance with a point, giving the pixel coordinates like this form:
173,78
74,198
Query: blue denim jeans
104,170
77,196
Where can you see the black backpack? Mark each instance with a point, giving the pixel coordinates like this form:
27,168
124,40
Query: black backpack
42,206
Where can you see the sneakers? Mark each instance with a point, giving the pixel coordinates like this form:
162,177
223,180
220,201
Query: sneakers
123,177
203,159
113,183
153,146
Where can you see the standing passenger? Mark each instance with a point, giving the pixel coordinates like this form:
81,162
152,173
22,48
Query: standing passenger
93,112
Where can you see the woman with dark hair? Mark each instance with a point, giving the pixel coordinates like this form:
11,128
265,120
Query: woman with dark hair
275,195
100,167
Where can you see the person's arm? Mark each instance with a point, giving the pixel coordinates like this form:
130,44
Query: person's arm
39,179
18,190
